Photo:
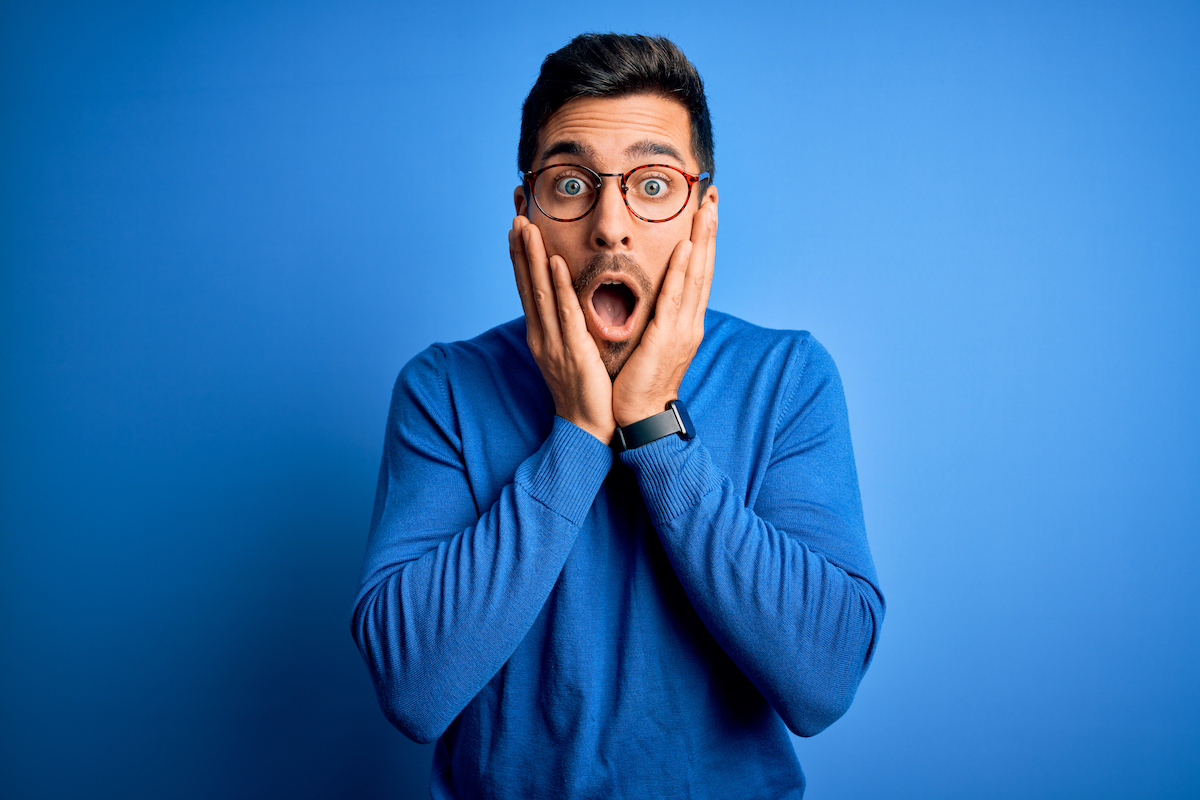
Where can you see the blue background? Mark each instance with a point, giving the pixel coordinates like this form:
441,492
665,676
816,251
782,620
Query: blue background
225,226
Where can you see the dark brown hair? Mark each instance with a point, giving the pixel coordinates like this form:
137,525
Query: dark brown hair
616,65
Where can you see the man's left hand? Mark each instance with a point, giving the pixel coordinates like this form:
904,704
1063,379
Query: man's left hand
651,377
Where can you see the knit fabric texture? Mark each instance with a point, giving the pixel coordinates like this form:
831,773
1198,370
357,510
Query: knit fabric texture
570,624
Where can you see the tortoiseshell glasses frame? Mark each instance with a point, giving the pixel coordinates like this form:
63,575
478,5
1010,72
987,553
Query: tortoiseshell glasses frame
530,181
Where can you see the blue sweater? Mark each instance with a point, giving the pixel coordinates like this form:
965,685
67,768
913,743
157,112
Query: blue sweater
570,624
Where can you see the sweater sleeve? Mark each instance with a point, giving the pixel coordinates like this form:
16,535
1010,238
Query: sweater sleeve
448,592
786,587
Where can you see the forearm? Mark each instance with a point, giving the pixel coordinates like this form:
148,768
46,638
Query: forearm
798,625
436,628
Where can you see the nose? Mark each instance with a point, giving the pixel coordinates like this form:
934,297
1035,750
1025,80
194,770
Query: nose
612,224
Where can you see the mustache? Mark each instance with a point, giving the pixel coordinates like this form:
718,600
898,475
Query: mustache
611,262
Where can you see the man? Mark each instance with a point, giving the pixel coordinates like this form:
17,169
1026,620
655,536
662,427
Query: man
570,622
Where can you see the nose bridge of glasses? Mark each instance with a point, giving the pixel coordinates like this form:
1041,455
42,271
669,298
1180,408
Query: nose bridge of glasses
619,182
611,206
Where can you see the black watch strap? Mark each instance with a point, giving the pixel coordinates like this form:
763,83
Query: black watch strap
674,420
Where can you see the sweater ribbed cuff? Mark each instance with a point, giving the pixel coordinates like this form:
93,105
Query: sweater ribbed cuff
566,472
672,474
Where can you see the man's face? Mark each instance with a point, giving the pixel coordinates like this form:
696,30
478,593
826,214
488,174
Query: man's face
617,261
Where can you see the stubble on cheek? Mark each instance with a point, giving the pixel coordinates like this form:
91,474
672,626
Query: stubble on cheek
615,354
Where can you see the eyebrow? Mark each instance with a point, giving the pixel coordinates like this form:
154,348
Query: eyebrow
569,148
646,147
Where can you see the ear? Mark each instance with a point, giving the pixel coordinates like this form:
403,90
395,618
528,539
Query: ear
519,201
710,195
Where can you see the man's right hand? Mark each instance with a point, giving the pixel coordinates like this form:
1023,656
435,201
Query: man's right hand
558,336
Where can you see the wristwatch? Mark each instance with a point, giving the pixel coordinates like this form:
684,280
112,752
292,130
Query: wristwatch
674,420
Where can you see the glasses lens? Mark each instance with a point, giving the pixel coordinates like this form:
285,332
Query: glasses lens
565,192
657,193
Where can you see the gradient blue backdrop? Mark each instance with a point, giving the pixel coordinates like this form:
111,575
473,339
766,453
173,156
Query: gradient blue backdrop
225,227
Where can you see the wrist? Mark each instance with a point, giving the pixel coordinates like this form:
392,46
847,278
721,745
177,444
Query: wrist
674,420
636,413
602,432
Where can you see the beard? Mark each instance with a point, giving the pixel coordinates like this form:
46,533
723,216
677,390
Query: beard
615,354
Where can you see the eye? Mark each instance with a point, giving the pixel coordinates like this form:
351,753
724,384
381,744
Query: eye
571,186
652,185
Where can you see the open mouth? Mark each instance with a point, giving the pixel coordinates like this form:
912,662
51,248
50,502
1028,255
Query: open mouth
613,304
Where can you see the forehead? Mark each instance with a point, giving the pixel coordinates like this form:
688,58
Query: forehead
612,129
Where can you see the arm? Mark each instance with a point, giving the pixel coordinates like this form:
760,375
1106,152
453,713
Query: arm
448,593
449,590
787,588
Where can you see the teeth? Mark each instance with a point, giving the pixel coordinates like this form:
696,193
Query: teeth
613,283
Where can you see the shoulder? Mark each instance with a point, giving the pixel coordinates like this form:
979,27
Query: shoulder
496,361
786,378
733,344
502,347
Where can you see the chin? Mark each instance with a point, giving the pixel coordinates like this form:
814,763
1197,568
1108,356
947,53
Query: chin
614,355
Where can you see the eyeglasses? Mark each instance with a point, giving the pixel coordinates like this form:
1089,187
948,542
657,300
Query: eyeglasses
652,192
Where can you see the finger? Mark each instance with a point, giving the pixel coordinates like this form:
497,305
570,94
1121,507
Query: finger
697,264
708,279
543,287
516,252
574,328
670,297
709,271
520,262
